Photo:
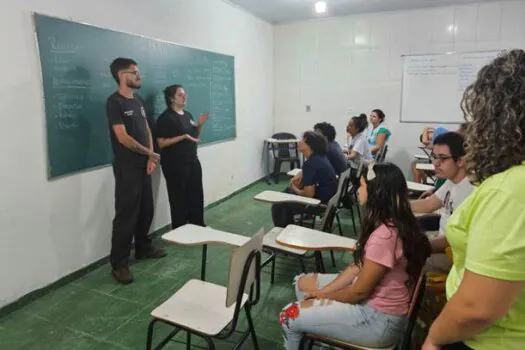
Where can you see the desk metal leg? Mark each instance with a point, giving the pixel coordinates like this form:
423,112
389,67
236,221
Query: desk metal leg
203,265
267,151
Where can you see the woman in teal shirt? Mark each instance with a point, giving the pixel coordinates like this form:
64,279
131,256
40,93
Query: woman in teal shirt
379,135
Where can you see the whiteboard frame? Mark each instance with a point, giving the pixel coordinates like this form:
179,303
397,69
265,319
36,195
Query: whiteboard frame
500,51
42,97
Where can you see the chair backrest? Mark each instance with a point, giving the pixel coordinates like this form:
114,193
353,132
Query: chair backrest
334,202
381,154
415,304
329,214
244,269
283,149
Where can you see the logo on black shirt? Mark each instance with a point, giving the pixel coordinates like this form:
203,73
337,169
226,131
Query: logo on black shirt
143,111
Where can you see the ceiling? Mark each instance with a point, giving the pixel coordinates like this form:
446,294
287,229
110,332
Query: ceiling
278,11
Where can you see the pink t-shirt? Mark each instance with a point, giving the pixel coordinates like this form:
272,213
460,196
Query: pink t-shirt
391,296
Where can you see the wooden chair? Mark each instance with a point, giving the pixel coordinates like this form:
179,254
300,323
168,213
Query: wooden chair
342,186
206,309
381,154
272,247
310,338
284,153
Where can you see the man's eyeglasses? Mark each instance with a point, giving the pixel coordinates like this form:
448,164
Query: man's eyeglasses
439,157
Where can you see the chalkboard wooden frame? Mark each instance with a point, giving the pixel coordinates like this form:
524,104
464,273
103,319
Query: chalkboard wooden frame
225,106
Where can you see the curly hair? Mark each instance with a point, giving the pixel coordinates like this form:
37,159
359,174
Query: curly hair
388,204
327,130
494,107
317,142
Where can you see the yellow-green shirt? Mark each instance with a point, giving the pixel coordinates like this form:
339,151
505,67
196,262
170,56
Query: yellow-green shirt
487,237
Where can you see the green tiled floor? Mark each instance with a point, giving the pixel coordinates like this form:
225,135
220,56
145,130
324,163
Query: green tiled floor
94,312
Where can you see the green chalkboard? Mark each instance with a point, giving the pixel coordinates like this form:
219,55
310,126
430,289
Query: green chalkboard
75,61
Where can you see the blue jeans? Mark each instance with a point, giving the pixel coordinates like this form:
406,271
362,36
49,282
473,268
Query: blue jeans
357,324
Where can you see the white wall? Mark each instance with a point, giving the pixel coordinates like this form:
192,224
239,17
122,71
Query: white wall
50,229
355,61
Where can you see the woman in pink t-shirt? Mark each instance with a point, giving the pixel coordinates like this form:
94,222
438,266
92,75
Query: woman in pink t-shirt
367,303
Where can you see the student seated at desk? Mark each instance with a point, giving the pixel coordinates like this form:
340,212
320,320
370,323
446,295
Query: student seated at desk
439,181
318,180
379,135
427,138
334,153
448,158
358,148
367,303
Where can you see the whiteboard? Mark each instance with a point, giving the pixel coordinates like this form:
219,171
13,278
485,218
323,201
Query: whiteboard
433,85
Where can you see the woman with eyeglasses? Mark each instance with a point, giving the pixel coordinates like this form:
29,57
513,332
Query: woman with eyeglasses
177,135
367,303
486,285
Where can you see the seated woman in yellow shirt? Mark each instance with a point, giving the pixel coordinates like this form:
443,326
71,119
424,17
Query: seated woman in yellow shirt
486,285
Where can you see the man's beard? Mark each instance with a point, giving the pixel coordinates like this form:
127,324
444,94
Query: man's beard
132,85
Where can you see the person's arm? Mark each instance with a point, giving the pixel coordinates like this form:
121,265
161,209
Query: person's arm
352,155
309,182
129,142
427,205
369,277
203,118
165,130
152,161
427,193
439,244
344,279
380,143
306,191
380,257
469,312
167,142
297,179
359,148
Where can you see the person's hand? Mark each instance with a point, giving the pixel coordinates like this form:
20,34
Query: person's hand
203,118
429,345
427,194
152,165
296,180
155,157
315,295
191,138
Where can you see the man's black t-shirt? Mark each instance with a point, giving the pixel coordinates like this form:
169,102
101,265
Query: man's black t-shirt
171,124
131,113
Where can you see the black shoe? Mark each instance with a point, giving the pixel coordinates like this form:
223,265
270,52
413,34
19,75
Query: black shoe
152,253
122,275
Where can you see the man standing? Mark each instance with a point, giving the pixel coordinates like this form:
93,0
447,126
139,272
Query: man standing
134,162
448,158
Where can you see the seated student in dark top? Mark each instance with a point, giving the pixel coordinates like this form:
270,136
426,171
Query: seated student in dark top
334,153
318,180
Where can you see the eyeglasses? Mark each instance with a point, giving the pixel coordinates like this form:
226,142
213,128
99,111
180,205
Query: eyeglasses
440,157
